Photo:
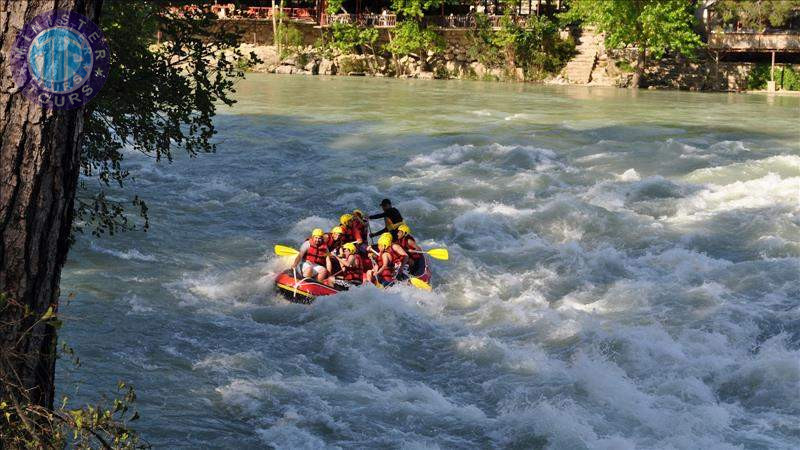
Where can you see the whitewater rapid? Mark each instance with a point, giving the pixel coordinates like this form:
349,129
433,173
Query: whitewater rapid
624,273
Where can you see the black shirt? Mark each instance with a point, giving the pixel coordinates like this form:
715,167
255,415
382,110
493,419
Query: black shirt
392,213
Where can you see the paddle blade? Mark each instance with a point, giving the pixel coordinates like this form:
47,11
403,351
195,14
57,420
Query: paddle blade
282,250
439,253
419,284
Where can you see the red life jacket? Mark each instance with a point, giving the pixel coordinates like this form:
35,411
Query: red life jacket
404,243
333,244
355,274
317,254
351,233
395,259
361,227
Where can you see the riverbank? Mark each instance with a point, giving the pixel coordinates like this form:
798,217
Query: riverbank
454,64
608,69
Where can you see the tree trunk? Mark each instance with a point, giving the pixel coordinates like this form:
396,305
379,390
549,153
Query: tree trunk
280,29
275,39
39,151
641,59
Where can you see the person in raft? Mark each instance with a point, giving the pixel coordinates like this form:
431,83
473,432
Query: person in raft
352,265
335,239
361,223
315,257
407,242
351,232
392,261
391,216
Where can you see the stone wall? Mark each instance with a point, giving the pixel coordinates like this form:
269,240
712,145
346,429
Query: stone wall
259,32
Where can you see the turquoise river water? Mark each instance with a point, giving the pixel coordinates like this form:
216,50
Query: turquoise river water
624,273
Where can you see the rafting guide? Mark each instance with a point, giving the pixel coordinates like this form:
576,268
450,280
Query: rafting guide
60,60
328,263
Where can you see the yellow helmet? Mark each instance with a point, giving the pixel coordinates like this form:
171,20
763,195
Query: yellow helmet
338,230
385,240
345,219
349,247
317,232
404,228
358,212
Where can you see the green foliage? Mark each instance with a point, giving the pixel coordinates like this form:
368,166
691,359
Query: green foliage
415,9
334,6
651,25
412,38
536,47
624,65
25,424
482,46
291,40
292,37
757,14
349,38
157,100
785,78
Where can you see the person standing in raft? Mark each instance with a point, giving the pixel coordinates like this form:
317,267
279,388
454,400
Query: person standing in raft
314,256
392,260
391,216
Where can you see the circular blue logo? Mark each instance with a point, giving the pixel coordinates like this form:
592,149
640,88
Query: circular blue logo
60,59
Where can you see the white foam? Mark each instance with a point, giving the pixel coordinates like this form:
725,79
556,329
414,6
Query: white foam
130,254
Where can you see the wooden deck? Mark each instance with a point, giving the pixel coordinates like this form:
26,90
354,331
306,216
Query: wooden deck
739,41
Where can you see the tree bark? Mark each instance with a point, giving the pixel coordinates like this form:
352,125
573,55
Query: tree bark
39,167
275,38
641,59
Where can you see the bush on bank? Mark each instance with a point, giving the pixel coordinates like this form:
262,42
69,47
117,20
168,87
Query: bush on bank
785,78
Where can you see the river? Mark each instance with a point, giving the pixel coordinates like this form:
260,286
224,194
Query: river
624,273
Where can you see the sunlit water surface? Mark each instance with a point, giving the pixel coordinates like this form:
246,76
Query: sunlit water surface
625,273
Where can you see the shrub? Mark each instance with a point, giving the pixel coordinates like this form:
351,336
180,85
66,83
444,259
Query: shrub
411,38
349,38
785,78
536,47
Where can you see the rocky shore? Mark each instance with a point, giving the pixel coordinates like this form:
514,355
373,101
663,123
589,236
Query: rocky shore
455,63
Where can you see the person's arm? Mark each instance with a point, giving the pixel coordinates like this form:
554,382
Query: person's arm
413,244
399,250
357,238
300,254
378,216
385,262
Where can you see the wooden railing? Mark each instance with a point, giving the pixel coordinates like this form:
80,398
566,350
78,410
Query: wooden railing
754,42
390,20
364,20
265,12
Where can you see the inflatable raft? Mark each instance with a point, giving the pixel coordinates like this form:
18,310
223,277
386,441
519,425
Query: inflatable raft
304,290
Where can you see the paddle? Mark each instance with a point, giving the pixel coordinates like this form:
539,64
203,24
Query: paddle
419,284
282,250
437,253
